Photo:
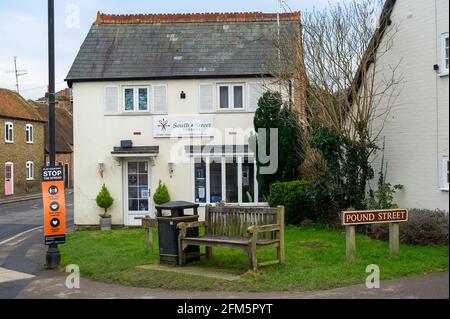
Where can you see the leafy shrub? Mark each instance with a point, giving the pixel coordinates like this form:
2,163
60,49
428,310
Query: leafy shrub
424,228
296,198
161,195
273,113
104,200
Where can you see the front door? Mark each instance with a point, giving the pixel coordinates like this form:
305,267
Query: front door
9,179
137,181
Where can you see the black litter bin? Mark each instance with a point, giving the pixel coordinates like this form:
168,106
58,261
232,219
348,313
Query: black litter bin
168,231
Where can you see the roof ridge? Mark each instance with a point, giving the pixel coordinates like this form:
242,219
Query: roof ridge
103,18
13,105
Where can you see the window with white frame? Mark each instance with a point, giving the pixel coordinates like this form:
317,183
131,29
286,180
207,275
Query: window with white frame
231,96
9,132
29,133
445,53
29,171
445,173
229,179
136,99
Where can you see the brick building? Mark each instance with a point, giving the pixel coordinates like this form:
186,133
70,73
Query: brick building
22,145
64,137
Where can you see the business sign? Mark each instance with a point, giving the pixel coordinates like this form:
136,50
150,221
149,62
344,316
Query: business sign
183,126
374,216
54,205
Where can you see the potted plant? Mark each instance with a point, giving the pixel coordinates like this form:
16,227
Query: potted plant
161,195
105,201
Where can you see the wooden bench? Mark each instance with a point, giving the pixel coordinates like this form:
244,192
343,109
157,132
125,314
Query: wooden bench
149,224
246,228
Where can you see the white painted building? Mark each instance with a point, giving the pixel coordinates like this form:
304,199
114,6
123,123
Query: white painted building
144,78
417,129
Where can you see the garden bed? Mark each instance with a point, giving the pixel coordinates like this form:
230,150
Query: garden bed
315,260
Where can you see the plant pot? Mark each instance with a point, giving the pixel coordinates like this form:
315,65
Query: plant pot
105,223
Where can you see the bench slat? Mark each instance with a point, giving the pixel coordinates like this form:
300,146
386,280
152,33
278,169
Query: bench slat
224,239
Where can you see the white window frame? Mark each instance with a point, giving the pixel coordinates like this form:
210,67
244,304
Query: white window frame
239,162
443,69
445,184
29,132
29,166
136,98
231,106
9,126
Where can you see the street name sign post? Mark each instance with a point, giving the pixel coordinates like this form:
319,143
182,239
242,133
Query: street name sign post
54,212
350,219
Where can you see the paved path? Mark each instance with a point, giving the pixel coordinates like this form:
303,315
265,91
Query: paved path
52,285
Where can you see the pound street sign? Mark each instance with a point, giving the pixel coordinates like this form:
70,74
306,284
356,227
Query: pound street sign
54,205
350,219
374,216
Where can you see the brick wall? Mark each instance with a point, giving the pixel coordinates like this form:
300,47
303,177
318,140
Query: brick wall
19,153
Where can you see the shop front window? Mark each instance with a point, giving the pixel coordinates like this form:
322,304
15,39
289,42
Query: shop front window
215,179
200,181
248,181
228,179
232,191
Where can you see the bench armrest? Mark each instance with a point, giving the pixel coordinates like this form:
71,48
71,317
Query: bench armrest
192,225
263,228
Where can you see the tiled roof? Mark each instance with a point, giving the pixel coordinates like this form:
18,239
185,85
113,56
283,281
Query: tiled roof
64,127
179,46
13,106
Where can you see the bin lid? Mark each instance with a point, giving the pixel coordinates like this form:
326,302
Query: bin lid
177,205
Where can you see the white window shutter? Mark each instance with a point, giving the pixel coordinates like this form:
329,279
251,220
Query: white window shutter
111,99
160,99
255,93
206,98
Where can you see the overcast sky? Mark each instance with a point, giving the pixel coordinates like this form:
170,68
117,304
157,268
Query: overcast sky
23,30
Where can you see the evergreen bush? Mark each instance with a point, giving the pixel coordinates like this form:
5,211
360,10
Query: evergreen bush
104,200
161,195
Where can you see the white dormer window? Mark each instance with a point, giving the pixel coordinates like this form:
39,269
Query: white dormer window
29,166
231,97
9,132
444,54
136,99
29,134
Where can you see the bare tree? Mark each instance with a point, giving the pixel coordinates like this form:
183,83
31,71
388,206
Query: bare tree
339,64
338,58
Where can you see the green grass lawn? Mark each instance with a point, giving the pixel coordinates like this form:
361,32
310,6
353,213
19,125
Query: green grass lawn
114,256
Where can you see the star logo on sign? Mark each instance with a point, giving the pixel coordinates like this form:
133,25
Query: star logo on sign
163,124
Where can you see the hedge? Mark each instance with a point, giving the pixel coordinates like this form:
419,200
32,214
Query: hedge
296,197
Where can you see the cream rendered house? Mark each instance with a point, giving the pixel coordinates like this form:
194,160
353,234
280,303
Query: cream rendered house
151,92
417,128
